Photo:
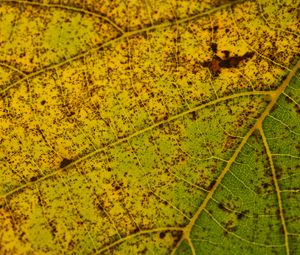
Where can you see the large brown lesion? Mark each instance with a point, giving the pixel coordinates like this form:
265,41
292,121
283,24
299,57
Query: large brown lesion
217,63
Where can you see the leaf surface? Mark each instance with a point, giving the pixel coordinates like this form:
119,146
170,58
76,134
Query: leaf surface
149,127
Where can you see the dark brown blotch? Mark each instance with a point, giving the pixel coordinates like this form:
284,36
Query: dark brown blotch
33,179
216,64
65,162
214,47
162,235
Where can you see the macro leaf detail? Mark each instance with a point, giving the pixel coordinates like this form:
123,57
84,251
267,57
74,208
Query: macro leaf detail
149,127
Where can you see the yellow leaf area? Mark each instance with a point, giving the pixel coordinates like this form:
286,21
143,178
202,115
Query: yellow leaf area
149,127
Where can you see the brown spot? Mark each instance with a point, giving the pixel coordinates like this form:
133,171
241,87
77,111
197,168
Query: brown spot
211,184
214,28
222,207
240,216
230,226
33,179
281,229
194,115
135,231
69,114
265,185
65,162
235,60
53,227
162,235
71,245
40,201
226,53
216,64
268,98
176,235
214,47
297,107
287,99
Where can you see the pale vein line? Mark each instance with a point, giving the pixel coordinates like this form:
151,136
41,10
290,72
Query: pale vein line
142,232
243,183
12,68
289,97
294,234
284,155
282,123
288,177
239,237
293,88
241,212
266,145
75,208
205,240
123,36
55,66
109,218
177,245
263,13
43,209
93,153
258,53
257,125
171,205
67,7
192,246
290,190
186,181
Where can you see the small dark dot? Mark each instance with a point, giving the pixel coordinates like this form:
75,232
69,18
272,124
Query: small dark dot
227,30
69,114
214,28
162,234
34,178
43,102
240,216
226,53
135,231
65,162
214,47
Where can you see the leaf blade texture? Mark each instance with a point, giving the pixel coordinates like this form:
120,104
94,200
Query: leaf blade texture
149,127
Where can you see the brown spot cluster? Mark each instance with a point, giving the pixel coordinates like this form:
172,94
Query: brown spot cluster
217,64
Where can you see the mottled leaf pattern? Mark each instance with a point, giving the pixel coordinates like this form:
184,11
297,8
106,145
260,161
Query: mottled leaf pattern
149,127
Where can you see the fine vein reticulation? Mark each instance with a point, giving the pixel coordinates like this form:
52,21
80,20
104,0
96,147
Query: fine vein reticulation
141,127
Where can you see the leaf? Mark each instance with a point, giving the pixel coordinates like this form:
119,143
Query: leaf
149,127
